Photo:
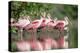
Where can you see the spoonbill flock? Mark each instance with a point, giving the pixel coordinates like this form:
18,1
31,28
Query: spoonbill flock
44,43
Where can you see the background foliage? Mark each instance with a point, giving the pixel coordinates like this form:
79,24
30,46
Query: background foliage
34,9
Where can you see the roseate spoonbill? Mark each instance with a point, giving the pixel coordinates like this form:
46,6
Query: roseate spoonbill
22,45
61,26
34,25
44,20
22,22
62,41
58,24
43,23
62,23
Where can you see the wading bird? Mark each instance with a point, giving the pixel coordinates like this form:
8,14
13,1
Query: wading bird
21,44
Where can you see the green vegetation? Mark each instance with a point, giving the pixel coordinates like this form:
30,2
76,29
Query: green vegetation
34,9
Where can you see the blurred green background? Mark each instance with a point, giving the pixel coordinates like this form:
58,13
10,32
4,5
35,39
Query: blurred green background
56,10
